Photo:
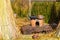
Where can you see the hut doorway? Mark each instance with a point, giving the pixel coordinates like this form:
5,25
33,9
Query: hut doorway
37,23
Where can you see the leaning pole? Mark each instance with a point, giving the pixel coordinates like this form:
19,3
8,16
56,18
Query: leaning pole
8,28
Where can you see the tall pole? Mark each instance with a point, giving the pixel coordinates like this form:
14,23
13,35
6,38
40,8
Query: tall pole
29,14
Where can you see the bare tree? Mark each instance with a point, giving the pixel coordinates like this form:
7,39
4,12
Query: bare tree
58,27
57,33
8,28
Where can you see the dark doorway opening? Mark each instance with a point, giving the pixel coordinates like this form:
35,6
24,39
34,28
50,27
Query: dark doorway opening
37,23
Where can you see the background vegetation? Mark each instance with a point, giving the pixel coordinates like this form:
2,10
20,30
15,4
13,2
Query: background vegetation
21,8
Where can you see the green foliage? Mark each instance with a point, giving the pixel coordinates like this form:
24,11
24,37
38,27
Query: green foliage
20,7
42,8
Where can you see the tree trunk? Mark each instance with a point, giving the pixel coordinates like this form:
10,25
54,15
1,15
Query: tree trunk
58,30
8,28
